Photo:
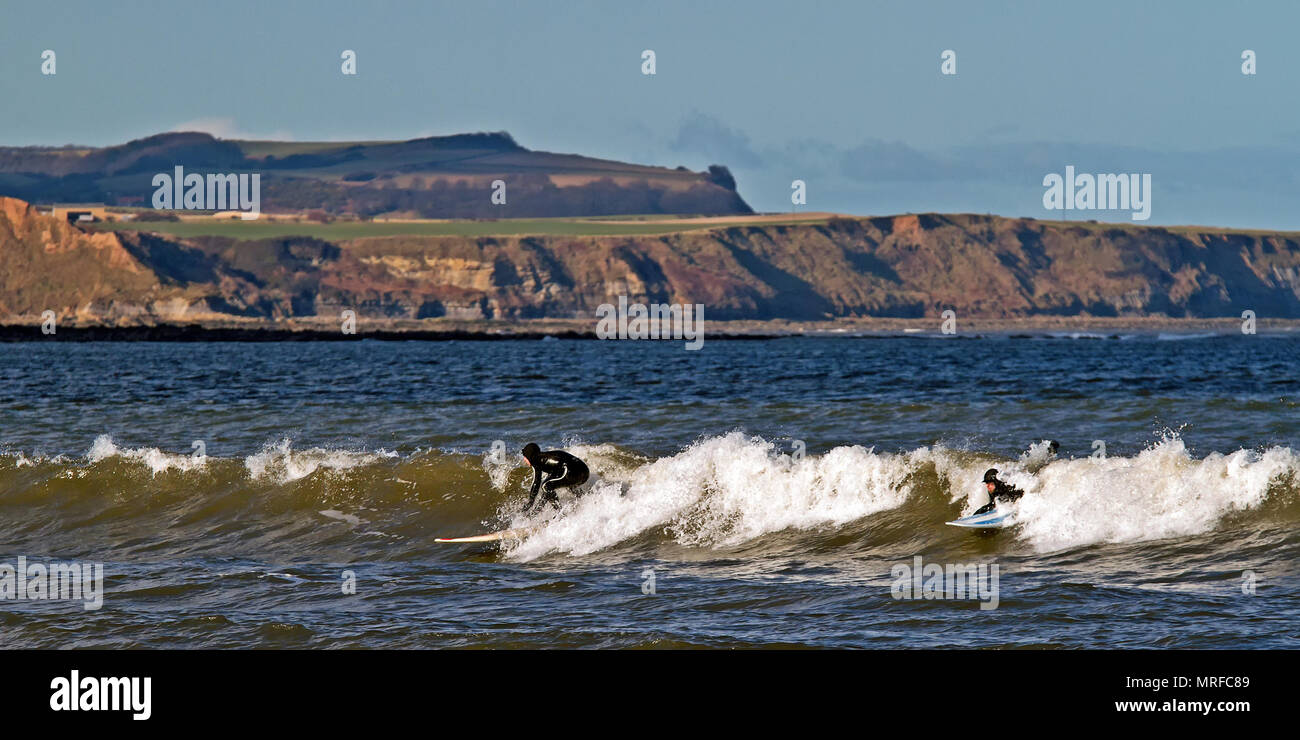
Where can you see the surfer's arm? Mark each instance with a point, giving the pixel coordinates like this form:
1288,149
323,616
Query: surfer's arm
538,475
1009,493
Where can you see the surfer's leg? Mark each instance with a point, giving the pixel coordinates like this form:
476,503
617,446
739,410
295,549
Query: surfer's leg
551,495
579,478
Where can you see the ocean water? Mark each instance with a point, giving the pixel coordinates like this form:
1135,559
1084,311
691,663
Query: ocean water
755,493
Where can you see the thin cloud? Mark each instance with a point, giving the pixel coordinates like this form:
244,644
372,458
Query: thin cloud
226,128
702,134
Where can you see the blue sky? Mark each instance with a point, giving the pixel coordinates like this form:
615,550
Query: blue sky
846,96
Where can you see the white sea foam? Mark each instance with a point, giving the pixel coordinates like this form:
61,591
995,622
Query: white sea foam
1161,492
498,467
283,464
722,491
335,514
728,490
1077,335
156,460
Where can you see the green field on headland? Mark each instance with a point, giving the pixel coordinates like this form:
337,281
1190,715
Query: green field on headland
264,228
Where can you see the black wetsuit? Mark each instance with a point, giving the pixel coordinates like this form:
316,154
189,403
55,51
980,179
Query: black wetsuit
1001,491
552,470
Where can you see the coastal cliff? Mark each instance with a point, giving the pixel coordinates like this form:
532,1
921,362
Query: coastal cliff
908,266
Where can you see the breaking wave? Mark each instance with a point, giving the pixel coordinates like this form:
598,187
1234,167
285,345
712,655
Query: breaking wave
734,493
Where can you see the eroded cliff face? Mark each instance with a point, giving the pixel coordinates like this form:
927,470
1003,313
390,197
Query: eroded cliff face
903,266
48,264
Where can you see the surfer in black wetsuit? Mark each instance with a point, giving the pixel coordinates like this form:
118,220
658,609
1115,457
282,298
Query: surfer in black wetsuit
552,470
998,490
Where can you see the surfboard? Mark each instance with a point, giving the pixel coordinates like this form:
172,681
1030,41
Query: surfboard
505,534
988,520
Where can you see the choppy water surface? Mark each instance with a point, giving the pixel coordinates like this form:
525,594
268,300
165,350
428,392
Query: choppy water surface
769,489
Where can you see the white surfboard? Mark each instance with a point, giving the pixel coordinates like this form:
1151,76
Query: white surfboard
505,534
988,520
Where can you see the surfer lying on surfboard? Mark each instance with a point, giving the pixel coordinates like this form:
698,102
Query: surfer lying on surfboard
998,491
552,470
1005,491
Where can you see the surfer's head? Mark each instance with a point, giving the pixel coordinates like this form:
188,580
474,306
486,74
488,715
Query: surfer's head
531,451
991,478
